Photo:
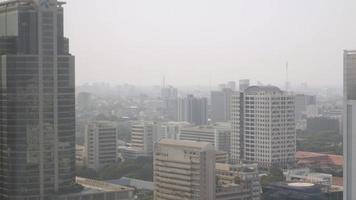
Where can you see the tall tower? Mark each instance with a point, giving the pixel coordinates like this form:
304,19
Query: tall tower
37,101
349,124
263,127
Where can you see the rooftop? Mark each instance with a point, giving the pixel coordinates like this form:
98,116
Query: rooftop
185,143
267,89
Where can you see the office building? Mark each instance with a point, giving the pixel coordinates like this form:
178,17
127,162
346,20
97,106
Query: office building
218,135
100,144
170,130
184,170
349,125
220,105
263,127
237,182
193,110
37,136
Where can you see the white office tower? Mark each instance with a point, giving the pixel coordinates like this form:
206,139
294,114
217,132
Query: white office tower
184,170
349,125
100,144
264,127
143,136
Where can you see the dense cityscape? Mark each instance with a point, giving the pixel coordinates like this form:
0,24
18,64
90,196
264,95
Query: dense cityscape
238,140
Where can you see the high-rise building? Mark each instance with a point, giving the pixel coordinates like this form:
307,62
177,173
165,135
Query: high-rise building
37,122
169,97
268,133
349,125
193,110
184,170
100,144
221,105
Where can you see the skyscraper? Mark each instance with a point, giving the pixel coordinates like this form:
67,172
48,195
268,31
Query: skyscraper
37,122
349,124
268,134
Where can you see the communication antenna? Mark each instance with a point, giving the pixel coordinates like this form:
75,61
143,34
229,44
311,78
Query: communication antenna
287,77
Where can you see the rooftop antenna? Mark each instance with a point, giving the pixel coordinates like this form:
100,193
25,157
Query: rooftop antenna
287,77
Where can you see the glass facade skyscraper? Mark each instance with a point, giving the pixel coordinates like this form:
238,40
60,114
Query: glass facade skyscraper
37,101
349,125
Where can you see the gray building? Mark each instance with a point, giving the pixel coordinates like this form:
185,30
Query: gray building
193,110
349,124
220,105
37,122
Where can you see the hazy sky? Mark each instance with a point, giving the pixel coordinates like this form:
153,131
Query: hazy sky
194,41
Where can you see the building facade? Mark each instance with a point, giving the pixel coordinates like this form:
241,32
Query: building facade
193,110
268,132
237,182
100,144
184,170
37,122
220,105
349,124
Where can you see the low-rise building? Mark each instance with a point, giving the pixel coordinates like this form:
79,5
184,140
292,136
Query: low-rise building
184,170
94,189
237,182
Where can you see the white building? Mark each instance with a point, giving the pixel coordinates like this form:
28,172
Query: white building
184,170
143,135
170,130
349,125
218,135
100,144
263,127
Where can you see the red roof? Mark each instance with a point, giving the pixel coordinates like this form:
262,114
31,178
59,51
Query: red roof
304,157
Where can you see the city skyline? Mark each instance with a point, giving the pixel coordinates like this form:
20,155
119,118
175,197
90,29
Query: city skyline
198,43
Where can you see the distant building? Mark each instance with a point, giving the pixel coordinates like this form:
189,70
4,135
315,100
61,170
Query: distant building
220,105
169,97
237,182
244,84
305,106
84,100
94,189
193,110
100,144
263,127
143,136
219,136
170,130
176,162
349,124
